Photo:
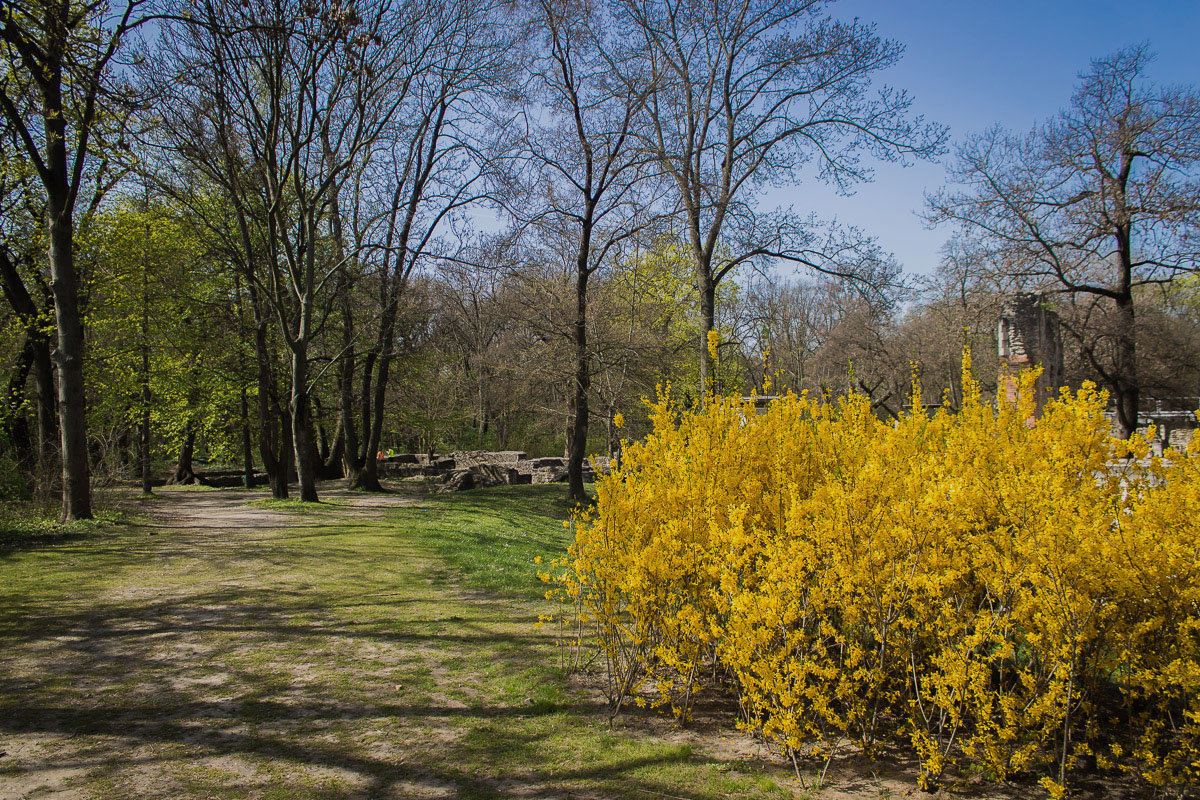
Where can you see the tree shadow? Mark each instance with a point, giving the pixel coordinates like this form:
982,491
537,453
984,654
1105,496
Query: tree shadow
160,679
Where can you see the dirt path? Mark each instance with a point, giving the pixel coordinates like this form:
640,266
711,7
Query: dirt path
227,648
157,662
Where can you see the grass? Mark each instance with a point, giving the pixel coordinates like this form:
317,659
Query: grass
362,649
24,526
488,539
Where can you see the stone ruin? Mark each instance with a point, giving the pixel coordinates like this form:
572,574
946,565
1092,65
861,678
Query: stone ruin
1028,335
473,469
1174,422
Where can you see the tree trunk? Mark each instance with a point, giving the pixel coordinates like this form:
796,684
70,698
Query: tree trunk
72,409
60,223
302,426
327,452
1125,383
318,463
144,437
360,454
333,465
283,472
323,444
708,304
352,462
369,477
144,440
391,289
184,474
351,459
579,400
247,448
276,467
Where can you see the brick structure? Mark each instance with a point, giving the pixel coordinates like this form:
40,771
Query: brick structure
1028,335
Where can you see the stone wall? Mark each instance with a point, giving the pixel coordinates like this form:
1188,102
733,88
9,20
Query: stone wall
1028,335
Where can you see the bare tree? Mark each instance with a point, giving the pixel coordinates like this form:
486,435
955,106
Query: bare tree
822,336
781,320
283,102
746,93
429,165
958,306
1100,200
587,180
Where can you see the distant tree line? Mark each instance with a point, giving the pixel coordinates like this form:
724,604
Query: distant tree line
290,234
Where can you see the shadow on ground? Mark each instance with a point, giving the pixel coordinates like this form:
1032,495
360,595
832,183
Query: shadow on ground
230,650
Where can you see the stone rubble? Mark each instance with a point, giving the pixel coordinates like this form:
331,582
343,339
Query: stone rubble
473,469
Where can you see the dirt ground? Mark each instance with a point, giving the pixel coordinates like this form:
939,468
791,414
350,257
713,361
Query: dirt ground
229,648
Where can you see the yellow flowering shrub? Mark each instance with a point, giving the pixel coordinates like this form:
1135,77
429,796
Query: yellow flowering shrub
1000,596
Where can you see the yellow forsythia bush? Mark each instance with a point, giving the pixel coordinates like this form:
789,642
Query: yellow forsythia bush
998,595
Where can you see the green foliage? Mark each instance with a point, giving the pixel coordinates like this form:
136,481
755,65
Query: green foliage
147,260
14,479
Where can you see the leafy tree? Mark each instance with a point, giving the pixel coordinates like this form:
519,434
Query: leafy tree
65,83
166,350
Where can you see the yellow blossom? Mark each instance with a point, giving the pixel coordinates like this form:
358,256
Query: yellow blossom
969,586
714,341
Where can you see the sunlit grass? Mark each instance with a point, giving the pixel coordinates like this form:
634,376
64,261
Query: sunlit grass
355,652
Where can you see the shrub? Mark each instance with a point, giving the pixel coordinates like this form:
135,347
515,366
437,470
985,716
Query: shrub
993,593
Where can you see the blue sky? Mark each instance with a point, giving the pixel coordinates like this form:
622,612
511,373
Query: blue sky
970,64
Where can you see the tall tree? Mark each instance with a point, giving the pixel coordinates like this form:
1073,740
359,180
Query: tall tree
587,179
746,93
1101,199
65,49
430,164
291,98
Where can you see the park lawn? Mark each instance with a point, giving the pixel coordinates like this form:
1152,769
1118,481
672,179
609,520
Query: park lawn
369,647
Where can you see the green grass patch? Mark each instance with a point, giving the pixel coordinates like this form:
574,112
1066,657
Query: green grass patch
295,505
23,526
488,538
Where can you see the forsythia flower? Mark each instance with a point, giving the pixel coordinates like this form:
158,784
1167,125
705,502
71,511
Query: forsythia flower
714,341
969,585
618,419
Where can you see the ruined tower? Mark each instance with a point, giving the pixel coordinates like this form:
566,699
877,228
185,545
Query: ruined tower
1028,335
